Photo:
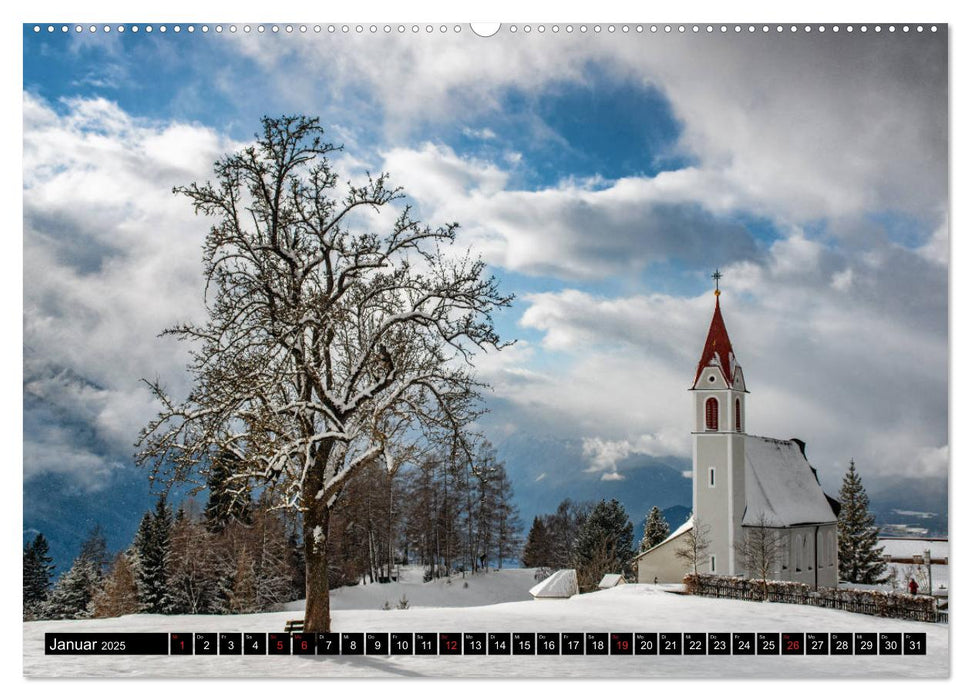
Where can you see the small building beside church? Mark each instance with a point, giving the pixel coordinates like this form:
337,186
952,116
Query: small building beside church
742,482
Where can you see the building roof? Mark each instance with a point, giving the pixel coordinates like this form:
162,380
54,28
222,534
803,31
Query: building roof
718,349
561,584
781,485
685,526
611,580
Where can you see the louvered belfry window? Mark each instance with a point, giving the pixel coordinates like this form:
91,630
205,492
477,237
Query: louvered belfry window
711,414
738,416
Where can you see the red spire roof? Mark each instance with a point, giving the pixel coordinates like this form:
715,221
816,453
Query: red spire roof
718,348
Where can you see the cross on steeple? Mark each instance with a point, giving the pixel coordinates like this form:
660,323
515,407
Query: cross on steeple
717,276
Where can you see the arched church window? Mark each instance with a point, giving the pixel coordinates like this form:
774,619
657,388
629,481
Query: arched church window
711,414
738,416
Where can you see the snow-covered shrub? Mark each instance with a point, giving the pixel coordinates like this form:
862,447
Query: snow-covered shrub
881,603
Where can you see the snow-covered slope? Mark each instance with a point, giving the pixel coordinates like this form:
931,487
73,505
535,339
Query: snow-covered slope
504,586
630,608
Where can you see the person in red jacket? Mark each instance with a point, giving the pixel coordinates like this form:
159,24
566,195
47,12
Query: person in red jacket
912,586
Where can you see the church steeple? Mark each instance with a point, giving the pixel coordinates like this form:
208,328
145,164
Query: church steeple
718,461
718,351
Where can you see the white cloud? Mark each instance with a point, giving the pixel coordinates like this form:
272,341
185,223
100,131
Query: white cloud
842,281
606,455
578,229
937,248
779,124
855,371
111,257
785,131
484,134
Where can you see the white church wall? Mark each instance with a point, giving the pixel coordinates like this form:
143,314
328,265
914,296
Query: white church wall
829,569
737,448
810,556
712,501
720,505
662,563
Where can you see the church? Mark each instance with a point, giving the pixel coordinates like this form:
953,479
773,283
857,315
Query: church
742,482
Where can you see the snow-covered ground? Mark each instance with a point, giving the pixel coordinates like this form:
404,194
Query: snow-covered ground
629,608
505,586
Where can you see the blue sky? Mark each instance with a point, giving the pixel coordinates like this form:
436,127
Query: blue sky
602,178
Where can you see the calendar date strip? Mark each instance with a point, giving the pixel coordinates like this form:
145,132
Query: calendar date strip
487,643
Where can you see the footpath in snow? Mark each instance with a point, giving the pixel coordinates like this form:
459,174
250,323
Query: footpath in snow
435,608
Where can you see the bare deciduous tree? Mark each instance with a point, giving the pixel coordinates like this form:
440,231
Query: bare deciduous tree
696,544
326,345
760,551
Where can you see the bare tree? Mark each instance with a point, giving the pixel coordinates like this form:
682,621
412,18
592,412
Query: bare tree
192,563
761,550
695,546
326,345
118,594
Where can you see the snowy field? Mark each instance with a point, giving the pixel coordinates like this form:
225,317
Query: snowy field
434,608
506,586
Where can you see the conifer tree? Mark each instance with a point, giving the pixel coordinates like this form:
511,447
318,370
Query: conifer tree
72,594
604,545
151,544
536,551
95,550
860,559
656,529
38,570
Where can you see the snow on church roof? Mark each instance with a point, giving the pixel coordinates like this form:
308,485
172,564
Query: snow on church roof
780,484
685,526
562,584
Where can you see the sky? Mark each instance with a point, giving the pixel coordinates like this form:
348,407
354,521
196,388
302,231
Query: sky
603,176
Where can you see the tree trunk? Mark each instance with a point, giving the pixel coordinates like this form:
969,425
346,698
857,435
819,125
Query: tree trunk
317,615
390,524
